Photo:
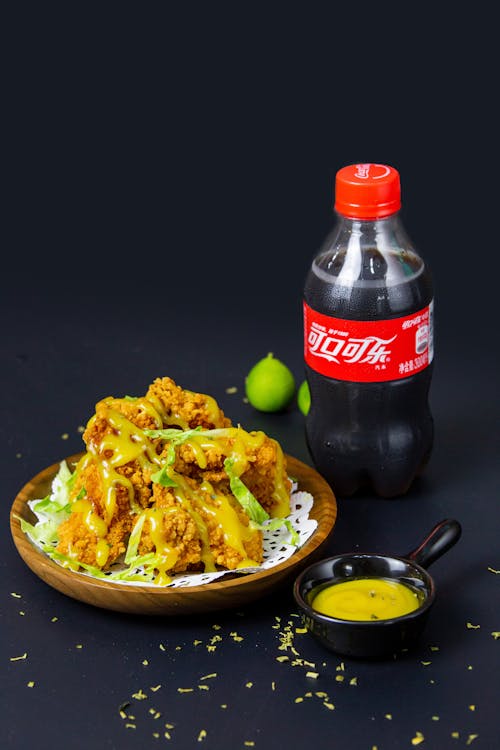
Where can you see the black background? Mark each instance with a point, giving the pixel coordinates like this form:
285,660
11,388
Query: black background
168,176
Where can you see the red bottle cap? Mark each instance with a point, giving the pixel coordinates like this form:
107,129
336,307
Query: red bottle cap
367,191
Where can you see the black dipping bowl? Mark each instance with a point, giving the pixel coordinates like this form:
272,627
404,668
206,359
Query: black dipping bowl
374,639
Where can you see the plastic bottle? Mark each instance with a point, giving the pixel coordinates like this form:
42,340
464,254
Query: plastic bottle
368,342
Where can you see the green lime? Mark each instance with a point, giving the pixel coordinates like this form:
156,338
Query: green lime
270,385
304,397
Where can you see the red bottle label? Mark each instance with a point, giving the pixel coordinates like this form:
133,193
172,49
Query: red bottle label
368,351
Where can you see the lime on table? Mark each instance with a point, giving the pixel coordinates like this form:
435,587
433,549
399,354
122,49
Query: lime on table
304,397
270,385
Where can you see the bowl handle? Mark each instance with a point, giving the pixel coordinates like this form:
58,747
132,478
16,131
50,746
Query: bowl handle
443,536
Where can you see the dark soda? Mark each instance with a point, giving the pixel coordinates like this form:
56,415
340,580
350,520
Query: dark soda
368,343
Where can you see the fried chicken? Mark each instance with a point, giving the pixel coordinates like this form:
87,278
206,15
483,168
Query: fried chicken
185,408
189,517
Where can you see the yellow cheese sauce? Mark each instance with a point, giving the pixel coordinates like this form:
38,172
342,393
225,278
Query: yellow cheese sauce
366,599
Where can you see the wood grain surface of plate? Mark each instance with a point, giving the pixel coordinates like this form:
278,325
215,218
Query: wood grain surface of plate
225,593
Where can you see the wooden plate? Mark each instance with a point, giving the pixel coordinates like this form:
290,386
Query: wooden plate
223,593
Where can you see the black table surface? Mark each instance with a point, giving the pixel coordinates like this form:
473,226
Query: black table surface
123,681
151,240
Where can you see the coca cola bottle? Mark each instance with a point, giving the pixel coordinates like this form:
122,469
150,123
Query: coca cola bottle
368,342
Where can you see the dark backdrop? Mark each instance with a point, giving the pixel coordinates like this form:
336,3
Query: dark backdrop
168,176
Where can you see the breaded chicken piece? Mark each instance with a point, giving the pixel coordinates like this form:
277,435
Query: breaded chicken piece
77,535
78,542
172,531
268,471
85,536
265,466
135,411
185,408
224,553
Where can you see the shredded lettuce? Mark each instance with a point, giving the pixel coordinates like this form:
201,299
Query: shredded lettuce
175,436
253,508
52,510
162,477
246,499
132,573
135,538
58,499
277,523
178,436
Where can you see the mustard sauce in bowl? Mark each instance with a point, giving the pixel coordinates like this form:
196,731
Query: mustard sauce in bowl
366,599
